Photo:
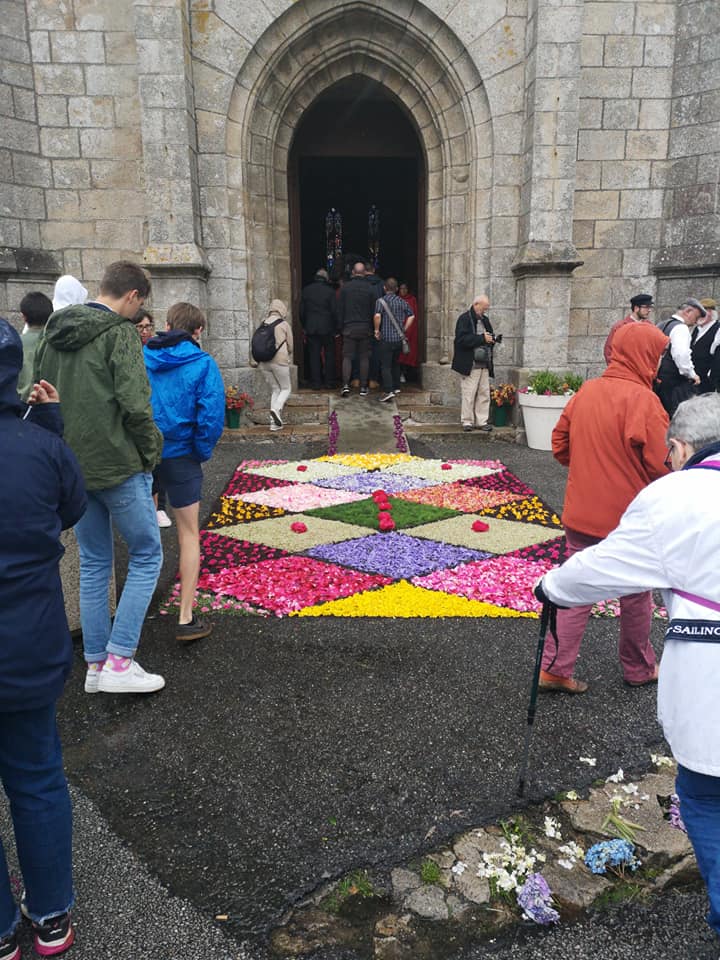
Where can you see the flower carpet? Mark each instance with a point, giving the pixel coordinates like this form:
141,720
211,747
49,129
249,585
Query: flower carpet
376,535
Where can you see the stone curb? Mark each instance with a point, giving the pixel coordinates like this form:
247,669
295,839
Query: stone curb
431,901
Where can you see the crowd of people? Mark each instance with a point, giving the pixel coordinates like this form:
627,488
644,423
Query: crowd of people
142,411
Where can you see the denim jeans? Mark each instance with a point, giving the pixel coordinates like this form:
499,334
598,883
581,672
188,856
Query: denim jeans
700,809
130,507
31,770
389,352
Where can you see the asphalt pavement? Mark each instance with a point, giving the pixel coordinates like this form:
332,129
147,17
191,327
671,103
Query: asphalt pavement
284,752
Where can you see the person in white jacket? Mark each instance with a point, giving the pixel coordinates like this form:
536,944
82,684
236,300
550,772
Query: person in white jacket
668,539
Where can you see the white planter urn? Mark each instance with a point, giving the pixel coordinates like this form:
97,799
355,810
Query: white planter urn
540,414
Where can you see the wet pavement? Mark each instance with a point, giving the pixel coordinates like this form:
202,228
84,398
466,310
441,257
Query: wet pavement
286,752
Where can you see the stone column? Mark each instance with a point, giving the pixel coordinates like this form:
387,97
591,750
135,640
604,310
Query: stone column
173,254
546,256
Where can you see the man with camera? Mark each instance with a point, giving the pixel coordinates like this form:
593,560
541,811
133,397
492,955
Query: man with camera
473,360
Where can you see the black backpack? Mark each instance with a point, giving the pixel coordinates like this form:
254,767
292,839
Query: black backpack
262,345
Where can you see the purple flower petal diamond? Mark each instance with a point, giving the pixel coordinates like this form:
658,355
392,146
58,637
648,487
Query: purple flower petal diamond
395,555
378,480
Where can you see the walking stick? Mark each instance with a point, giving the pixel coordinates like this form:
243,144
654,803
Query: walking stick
547,616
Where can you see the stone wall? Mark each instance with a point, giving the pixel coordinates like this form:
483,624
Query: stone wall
689,260
555,131
622,166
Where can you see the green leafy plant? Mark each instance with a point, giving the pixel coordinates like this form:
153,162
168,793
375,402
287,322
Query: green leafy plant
356,884
551,384
430,872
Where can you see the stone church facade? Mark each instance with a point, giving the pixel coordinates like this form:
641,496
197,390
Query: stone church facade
568,155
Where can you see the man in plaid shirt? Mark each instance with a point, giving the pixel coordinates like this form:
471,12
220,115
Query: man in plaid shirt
392,319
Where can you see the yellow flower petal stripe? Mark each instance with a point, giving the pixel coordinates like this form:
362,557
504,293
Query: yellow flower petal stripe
369,461
405,600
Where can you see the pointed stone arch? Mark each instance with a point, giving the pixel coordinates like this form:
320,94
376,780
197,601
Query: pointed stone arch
426,69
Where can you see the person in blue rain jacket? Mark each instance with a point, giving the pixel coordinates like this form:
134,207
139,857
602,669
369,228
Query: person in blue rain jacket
188,402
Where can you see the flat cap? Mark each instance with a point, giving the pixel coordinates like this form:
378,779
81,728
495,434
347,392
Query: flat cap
692,302
709,303
641,300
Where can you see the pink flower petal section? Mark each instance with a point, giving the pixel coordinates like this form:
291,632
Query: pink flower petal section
503,581
291,583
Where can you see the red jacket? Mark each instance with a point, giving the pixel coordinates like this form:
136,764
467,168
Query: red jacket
612,434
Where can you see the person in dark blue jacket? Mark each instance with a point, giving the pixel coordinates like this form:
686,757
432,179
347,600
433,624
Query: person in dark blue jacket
42,491
188,401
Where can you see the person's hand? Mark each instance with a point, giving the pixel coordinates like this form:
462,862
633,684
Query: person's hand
488,338
696,380
43,392
377,334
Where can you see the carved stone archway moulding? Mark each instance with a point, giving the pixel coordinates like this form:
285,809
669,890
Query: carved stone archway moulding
426,70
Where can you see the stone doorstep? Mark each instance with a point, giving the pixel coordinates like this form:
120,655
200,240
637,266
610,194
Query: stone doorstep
454,900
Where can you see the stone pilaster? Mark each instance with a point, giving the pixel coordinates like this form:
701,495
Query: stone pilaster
546,255
173,253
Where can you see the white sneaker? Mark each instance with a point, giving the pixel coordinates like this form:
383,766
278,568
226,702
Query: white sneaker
132,680
92,679
163,519
276,418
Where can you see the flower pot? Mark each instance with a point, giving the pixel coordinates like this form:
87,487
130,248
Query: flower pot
540,414
500,415
232,418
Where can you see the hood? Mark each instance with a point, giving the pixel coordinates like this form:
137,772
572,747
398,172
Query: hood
277,309
636,352
171,349
70,329
11,361
68,292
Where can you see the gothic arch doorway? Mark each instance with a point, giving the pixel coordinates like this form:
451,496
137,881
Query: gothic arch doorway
356,149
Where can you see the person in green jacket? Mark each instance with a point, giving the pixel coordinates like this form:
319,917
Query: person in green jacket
92,354
35,308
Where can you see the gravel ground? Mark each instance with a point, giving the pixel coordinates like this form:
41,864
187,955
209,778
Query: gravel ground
284,752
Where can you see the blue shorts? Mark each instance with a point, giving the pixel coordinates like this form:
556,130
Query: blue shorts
182,478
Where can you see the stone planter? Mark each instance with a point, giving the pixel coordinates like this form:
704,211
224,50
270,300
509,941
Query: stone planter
540,414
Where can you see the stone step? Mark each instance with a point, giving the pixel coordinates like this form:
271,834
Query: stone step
294,414
429,413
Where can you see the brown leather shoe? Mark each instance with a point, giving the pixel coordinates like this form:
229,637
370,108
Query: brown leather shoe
551,681
644,683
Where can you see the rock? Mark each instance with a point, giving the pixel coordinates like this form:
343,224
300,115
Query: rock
309,931
663,843
444,859
393,938
679,874
428,902
456,906
469,847
574,889
404,882
392,926
470,886
389,948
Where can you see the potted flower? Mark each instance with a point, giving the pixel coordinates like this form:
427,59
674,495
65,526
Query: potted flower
502,397
235,403
542,401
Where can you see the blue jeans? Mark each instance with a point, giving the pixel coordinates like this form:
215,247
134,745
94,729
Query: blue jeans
700,809
130,507
31,770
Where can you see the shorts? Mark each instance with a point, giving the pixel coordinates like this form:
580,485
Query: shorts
182,478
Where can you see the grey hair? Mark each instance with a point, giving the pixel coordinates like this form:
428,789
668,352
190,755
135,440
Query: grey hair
697,421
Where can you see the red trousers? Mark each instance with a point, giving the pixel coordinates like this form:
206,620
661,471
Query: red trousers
636,653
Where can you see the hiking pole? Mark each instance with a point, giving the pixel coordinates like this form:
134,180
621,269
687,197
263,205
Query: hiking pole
544,621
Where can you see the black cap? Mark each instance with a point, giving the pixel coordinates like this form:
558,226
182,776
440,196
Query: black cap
641,300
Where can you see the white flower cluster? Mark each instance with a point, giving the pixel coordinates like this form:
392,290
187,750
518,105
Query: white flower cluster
552,828
616,777
590,761
509,868
661,761
571,853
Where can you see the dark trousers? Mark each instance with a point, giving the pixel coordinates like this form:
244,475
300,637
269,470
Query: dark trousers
700,809
356,342
389,353
32,774
317,343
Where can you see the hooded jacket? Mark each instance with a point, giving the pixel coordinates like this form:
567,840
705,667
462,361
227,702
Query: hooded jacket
283,334
188,395
94,358
42,490
612,434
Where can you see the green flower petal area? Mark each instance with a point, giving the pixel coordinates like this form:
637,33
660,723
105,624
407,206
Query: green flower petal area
364,513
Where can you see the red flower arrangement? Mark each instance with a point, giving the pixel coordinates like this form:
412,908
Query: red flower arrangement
298,527
480,527
234,400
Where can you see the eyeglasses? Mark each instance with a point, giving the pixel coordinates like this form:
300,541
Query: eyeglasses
145,326
667,462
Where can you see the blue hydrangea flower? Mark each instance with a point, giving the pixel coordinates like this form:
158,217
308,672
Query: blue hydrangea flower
535,899
611,853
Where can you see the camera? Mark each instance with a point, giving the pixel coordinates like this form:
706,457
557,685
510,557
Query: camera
498,338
